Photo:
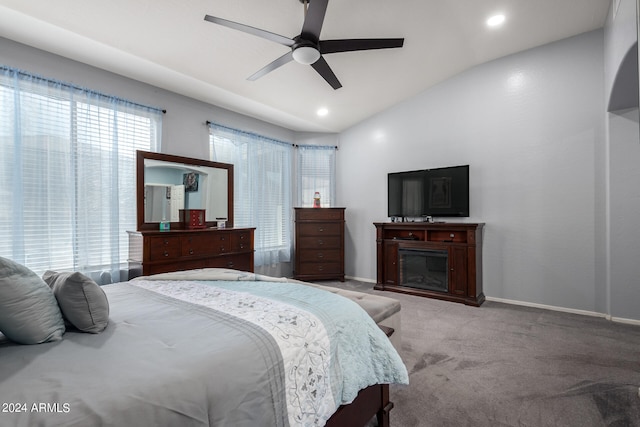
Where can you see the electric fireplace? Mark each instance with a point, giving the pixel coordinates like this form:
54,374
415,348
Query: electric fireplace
441,260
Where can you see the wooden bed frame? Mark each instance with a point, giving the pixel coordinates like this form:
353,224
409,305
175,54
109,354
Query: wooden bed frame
373,400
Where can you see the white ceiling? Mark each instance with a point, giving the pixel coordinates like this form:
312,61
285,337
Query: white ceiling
167,43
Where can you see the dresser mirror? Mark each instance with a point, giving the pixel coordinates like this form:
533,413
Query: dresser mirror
166,184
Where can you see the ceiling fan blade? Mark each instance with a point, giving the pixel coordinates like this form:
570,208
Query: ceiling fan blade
250,30
350,45
287,57
313,20
324,70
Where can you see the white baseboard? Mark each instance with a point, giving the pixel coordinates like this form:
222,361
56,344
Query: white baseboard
359,279
626,321
566,310
543,306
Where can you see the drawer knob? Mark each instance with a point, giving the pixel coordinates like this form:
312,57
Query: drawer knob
165,253
190,251
166,242
221,248
320,229
320,242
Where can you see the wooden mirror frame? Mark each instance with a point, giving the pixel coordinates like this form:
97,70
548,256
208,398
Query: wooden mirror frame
140,158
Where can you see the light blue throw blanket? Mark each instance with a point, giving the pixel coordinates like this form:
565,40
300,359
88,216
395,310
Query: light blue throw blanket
364,352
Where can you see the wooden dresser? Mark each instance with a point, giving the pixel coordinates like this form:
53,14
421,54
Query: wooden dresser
319,244
153,252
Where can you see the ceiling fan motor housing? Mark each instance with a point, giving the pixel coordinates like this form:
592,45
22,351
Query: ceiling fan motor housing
304,51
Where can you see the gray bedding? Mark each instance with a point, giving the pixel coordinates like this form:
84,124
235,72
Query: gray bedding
163,361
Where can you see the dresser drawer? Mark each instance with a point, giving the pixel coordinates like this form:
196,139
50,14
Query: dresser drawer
319,255
328,242
197,245
319,214
316,268
164,248
241,242
320,229
221,243
242,262
175,265
447,236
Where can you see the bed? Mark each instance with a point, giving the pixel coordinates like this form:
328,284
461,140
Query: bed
210,347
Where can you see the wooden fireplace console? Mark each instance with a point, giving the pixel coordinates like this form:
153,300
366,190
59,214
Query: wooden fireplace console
462,243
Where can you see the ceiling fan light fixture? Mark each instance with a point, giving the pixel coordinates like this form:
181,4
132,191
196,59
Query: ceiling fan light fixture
306,55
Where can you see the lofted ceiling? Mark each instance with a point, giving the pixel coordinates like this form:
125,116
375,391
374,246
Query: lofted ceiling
167,43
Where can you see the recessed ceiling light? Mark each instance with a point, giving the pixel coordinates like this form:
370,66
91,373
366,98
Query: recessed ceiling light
495,20
322,112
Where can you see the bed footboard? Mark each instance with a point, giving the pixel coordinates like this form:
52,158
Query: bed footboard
373,400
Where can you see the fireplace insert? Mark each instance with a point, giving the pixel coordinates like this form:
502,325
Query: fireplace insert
424,269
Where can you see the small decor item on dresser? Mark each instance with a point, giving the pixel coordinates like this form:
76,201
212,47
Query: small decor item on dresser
193,218
190,181
165,225
316,200
221,222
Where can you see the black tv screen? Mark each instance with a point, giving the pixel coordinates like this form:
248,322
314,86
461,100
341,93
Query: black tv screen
440,192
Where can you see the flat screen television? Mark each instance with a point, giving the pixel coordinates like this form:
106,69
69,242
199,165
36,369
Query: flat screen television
440,192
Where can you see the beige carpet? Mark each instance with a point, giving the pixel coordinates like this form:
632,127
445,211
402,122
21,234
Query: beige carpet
507,365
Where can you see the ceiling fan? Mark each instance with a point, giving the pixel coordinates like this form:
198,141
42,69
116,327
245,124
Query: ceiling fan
307,48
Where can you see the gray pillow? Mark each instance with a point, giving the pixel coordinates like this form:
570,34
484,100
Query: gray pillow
83,303
29,313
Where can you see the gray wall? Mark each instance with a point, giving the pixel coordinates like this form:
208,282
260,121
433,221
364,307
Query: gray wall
622,175
624,199
529,125
620,35
184,130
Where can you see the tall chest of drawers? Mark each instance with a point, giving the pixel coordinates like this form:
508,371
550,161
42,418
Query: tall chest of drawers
153,252
319,244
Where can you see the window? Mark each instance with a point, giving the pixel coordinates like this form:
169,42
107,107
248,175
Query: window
67,174
262,188
316,170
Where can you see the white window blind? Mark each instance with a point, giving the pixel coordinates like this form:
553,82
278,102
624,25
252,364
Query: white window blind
67,174
316,170
262,188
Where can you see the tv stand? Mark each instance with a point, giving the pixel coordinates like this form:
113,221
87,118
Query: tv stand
451,254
